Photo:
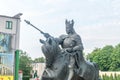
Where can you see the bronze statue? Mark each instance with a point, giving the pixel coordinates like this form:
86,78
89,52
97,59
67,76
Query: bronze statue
67,62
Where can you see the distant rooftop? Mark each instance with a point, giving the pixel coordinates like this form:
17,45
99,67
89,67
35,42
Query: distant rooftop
17,16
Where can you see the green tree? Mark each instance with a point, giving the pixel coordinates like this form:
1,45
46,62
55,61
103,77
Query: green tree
115,57
102,57
105,59
94,56
91,56
25,65
39,60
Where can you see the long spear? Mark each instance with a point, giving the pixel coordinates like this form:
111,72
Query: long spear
45,34
28,22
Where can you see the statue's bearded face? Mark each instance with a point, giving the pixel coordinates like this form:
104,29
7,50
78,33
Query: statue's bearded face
69,30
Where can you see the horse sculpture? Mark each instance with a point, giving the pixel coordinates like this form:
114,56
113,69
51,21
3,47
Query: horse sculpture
59,60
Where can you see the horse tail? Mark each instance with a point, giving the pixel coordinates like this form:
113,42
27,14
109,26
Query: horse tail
96,71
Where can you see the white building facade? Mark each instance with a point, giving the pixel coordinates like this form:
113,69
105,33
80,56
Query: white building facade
39,67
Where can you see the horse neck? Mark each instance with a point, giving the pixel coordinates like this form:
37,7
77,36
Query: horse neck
57,51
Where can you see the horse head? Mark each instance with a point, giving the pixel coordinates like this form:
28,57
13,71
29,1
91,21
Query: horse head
55,61
50,49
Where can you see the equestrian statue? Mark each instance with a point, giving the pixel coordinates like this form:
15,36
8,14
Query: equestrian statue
64,57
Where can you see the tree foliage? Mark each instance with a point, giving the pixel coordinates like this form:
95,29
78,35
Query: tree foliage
108,57
39,60
115,57
25,64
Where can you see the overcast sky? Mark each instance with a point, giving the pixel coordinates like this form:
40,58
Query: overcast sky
96,21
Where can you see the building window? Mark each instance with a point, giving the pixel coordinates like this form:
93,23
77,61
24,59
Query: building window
8,24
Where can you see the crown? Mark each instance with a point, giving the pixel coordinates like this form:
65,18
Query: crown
69,23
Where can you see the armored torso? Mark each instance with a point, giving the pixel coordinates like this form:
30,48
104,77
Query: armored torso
68,42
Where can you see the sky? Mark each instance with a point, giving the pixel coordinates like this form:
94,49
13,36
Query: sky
96,21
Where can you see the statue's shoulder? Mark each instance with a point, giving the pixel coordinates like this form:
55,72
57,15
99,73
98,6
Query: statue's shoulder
76,35
63,36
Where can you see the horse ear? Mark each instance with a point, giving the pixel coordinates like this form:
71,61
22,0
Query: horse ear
50,41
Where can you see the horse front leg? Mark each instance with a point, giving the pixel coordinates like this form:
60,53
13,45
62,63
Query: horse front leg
71,73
